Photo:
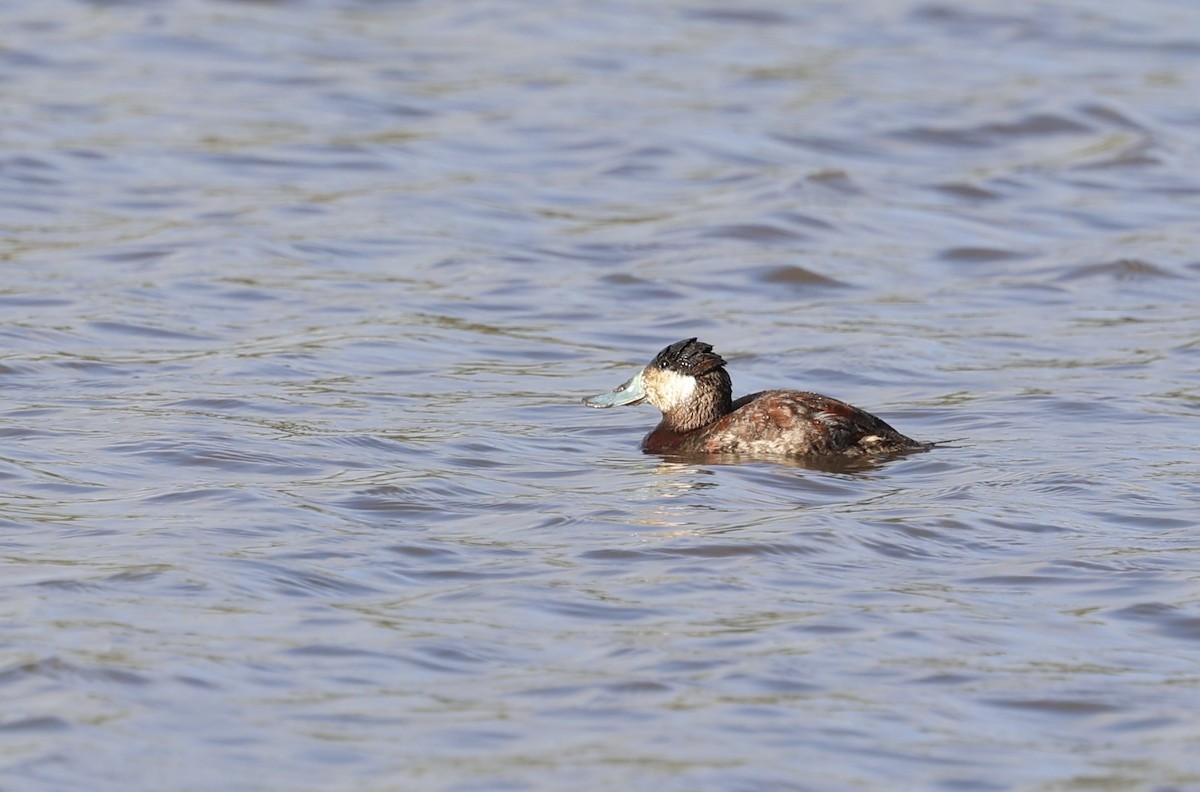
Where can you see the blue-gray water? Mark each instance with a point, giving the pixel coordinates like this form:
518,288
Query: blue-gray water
298,300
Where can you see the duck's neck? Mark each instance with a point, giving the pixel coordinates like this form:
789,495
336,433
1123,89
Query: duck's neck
711,401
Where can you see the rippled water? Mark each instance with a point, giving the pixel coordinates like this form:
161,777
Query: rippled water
299,298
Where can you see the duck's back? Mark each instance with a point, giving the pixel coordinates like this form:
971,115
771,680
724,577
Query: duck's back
790,423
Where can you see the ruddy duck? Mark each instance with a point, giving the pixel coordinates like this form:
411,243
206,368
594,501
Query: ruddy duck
687,381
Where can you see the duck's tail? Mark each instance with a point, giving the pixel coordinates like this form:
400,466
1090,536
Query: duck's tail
941,443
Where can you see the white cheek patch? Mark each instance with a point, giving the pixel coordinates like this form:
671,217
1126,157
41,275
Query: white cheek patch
675,389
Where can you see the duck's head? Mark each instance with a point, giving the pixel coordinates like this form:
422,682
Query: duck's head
687,381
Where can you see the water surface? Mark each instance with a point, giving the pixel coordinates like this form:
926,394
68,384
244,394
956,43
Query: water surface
298,300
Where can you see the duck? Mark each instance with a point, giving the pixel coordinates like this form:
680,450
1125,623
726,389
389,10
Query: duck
688,383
